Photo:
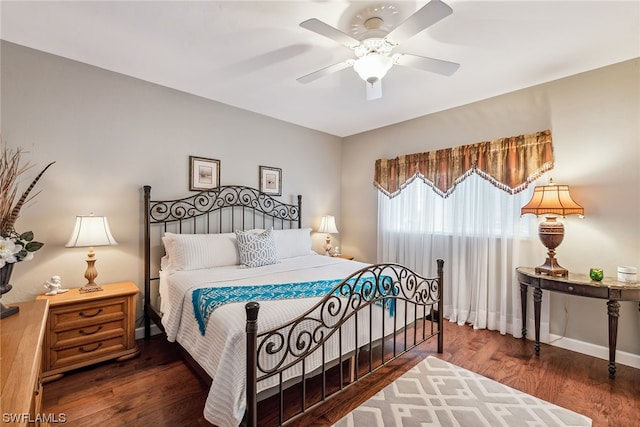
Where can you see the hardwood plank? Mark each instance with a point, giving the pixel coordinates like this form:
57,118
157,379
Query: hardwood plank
159,389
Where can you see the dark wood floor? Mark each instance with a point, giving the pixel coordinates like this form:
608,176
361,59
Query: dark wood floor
159,389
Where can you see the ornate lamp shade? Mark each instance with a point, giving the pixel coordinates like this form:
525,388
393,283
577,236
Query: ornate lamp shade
328,226
91,231
551,201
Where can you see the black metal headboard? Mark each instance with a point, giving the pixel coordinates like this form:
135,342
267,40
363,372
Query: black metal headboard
221,210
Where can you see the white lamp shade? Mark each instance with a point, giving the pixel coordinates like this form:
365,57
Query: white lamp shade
328,225
91,231
372,67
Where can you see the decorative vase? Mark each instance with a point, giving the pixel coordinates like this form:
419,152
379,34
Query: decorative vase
596,274
5,277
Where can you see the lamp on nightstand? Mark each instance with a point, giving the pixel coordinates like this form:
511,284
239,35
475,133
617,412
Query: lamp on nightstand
91,231
328,226
551,200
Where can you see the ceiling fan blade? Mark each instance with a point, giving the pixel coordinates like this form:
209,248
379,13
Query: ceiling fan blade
425,17
323,72
374,91
438,66
317,26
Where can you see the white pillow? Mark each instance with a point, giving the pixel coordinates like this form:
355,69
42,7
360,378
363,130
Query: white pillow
293,242
196,251
256,249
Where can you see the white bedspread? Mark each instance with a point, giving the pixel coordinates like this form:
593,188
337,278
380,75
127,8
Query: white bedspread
222,351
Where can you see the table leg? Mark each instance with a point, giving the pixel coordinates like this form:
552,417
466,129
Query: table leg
613,310
523,304
537,304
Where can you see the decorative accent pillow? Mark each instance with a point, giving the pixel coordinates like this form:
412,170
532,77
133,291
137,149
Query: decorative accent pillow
293,242
256,249
196,251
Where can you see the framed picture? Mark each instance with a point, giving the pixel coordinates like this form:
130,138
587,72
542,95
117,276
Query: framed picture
204,173
271,180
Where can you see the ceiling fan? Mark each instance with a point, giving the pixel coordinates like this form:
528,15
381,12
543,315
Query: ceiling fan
374,53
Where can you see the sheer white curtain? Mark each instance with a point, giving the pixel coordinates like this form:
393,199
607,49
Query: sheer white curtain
478,231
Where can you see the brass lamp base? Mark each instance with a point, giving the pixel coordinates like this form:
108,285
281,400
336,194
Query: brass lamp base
89,287
551,233
90,274
552,268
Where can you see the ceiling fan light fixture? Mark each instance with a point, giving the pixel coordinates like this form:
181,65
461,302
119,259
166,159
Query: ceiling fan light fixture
372,67
375,34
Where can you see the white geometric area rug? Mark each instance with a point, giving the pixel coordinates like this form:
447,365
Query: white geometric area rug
437,393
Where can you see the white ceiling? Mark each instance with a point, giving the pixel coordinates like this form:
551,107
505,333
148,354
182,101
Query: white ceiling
248,54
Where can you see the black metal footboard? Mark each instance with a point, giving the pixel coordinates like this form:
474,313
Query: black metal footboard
381,312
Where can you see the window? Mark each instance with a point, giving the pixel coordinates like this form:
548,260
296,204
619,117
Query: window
478,232
475,208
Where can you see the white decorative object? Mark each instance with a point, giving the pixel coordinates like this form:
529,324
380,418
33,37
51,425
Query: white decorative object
627,274
54,286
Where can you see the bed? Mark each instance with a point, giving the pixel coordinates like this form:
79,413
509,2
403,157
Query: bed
230,276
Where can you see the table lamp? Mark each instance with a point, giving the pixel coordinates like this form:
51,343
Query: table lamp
328,226
91,231
551,200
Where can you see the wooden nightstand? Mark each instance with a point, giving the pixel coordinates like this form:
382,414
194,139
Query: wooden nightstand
349,257
83,329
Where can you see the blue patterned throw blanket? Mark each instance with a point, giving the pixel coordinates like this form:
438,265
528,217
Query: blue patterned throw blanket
206,300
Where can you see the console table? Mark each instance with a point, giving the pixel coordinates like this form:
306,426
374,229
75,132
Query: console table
581,285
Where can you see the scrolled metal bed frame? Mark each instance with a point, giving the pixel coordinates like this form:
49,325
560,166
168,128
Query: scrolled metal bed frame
223,209
227,208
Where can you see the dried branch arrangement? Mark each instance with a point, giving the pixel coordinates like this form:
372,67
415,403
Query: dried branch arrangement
10,171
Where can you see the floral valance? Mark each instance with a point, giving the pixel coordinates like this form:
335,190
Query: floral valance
508,163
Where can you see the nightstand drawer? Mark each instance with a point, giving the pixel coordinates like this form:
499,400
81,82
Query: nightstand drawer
585,290
86,352
89,333
92,313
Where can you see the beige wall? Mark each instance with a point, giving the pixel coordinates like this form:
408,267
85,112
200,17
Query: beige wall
110,134
595,121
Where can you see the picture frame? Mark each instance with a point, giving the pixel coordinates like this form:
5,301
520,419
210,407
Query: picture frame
204,173
270,180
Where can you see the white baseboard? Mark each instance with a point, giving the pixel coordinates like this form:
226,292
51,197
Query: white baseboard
140,331
601,352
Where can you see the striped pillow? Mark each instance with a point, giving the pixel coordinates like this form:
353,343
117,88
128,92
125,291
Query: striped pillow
196,251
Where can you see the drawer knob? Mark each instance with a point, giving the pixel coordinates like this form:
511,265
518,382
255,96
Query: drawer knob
570,288
83,314
84,350
84,332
